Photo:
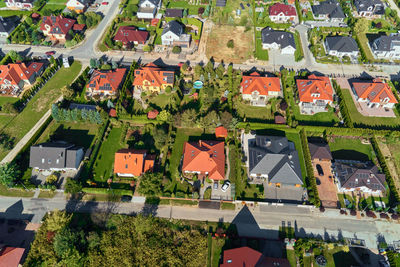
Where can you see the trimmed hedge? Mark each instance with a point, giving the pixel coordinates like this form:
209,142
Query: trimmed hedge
119,192
343,107
311,181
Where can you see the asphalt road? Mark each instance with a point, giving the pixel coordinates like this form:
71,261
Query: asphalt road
261,222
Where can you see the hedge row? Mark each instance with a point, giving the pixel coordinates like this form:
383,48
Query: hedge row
343,107
119,192
311,181
394,196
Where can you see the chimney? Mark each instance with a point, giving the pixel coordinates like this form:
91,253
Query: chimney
199,142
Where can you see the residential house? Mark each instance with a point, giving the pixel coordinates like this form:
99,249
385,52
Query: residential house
320,151
7,25
148,9
20,4
282,13
258,89
387,47
56,156
10,256
133,162
130,35
272,39
79,6
315,93
174,13
377,94
369,8
173,34
204,158
274,160
359,177
56,27
341,46
15,76
329,10
153,79
106,82
248,257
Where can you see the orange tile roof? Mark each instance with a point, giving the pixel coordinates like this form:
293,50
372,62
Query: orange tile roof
106,80
16,72
152,114
375,91
221,131
263,85
10,256
153,74
318,85
205,156
133,161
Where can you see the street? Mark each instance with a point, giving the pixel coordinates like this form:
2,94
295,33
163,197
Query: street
262,221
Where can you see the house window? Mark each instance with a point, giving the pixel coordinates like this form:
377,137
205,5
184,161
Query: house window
57,161
42,161
49,161
126,166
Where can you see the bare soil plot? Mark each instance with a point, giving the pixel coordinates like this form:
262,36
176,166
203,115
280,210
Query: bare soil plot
327,189
219,37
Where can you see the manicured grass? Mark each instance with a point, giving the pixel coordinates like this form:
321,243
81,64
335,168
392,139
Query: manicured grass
363,41
80,134
105,159
101,197
216,250
47,194
40,103
228,206
2,4
307,261
160,100
291,256
193,9
337,257
252,112
183,202
261,54
5,99
15,192
252,191
295,138
357,118
55,5
5,119
351,149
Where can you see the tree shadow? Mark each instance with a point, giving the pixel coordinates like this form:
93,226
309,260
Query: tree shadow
348,154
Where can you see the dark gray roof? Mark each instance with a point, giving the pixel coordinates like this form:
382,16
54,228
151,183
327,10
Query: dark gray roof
221,3
174,13
8,24
320,151
331,8
284,39
174,27
386,43
53,155
360,175
82,106
342,43
370,5
276,157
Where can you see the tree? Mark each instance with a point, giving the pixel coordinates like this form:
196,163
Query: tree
9,172
164,115
67,92
57,220
81,19
176,49
188,118
72,186
14,55
106,67
147,48
361,25
66,240
51,179
185,66
150,184
9,108
160,136
185,12
226,119
230,44
93,63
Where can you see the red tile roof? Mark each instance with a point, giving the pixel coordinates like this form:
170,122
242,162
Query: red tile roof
205,156
129,34
221,131
10,256
153,74
35,15
314,88
278,8
79,27
375,91
106,80
58,24
112,113
263,85
247,257
279,119
154,22
133,161
16,72
152,114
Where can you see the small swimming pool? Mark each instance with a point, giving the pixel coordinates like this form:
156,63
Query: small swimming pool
198,85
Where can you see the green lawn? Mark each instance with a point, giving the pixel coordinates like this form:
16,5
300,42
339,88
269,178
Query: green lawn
5,119
357,118
351,149
55,5
4,191
363,41
295,138
40,103
5,99
252,112
193,9
160,100
216,250
2,4
337,257
261,54
80,134
291,256
47,194
105,159
228,206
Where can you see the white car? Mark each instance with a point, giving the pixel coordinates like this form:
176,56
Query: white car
65,62
225,186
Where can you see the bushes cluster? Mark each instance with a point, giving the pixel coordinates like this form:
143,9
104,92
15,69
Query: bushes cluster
75,115
343,107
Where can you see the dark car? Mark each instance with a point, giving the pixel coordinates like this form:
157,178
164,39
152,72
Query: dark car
320,171
126,198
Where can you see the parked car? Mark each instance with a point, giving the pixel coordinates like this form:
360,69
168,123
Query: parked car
50,53
126,198
104,3
225,186
216,185
320,171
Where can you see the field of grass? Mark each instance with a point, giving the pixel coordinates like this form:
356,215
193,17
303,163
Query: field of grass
105,159
363,41
40,103
252,112
337,257
351,149
5,119
55,5
295,138
228,206
291,256
356,117
160,100
47,194
5,99
261,54
80,134
216,250
192,9
4,191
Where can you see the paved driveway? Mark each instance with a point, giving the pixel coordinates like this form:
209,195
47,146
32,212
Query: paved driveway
285,193
327,189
